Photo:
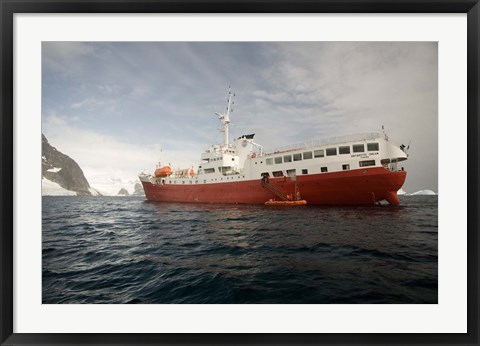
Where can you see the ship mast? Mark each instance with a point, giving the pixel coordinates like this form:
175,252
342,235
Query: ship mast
225,118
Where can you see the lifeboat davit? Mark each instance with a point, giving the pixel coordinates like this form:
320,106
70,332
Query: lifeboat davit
162,172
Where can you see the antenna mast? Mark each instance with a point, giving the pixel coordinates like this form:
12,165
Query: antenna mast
225,118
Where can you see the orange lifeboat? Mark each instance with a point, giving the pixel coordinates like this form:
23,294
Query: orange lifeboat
191,172
162,172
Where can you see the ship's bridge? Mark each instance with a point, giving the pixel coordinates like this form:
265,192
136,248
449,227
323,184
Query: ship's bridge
220,159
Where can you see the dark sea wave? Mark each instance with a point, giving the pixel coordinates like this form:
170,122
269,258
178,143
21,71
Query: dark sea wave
127,250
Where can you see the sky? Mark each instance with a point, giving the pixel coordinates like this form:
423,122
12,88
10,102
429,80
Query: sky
118,108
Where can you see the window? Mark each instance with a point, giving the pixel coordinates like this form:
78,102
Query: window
307,155
367,163
304,171
277,174
269,161
344,150
358,148
265,174
372,146
346,167
324,170
291,172
318,153
387,161
331,151
297,157
278,159
287,158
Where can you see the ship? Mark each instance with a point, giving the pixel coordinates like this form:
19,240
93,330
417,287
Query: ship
357,169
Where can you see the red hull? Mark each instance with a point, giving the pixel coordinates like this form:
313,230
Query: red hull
361,186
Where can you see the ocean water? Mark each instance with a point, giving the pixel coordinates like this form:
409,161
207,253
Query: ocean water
127,250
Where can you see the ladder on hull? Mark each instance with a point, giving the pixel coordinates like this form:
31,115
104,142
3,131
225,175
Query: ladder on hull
273,189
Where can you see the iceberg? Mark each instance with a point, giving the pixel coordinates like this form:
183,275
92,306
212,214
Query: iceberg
423,193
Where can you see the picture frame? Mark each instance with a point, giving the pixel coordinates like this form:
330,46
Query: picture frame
10,8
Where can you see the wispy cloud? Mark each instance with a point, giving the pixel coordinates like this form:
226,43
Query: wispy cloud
104,157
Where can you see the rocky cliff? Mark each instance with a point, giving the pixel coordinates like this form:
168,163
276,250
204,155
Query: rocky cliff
63,170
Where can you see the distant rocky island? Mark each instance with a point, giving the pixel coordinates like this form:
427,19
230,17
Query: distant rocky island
60,169
138,191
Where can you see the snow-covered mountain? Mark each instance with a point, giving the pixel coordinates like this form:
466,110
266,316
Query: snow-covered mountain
61,175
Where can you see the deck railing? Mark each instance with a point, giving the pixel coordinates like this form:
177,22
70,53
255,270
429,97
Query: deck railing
326,141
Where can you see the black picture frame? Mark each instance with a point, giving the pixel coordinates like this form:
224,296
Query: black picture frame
10,7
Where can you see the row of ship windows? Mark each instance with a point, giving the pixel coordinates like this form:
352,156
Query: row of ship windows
356,148
345,167
204,181
290,172
216,159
